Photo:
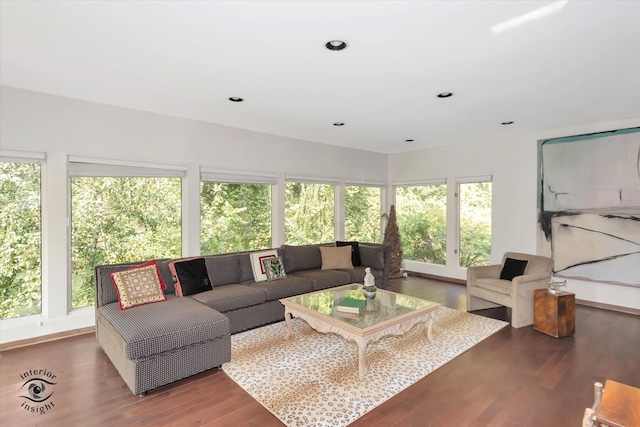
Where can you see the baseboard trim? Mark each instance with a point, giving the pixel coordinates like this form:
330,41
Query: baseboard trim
46,338
434,277
611,307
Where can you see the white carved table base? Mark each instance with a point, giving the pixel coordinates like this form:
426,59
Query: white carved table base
398,328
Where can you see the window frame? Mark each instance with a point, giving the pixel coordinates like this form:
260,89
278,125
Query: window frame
381,205
302,179
88,167
39,158
225,176
458,233
424,183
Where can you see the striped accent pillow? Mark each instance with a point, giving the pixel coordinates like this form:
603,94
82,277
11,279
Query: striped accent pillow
139,285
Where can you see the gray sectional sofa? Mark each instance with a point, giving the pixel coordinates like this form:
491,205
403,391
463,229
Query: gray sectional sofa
155,344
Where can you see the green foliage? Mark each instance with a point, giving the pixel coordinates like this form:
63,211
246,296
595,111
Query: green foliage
235,217
362,214
309,213
422,220
126,219
120,220
475,224
20,243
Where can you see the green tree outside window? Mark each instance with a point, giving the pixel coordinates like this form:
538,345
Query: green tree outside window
309,213
362,214
475,224
422,221
235,217
20,240
121,219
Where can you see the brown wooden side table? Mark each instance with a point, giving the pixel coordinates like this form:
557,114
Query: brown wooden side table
620,405
554,314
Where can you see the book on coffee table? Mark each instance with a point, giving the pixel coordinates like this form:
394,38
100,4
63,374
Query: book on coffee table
351,305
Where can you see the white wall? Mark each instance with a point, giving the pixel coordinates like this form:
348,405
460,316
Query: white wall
35,121
60,127
513,164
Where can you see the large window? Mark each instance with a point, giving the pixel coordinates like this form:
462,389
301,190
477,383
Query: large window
362,213
309,213
118,219
474,200
235,217
422,221
20,241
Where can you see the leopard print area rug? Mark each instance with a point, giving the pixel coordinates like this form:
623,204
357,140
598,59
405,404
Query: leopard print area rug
312,379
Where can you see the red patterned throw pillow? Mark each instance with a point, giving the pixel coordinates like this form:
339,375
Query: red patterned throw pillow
139,285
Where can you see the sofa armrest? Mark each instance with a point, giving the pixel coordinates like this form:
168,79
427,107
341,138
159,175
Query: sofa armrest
529,282
485,271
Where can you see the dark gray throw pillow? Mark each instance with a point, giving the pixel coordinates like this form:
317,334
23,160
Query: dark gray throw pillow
193,276
513,268
355,252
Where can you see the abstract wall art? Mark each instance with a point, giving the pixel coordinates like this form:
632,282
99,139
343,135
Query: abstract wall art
589,205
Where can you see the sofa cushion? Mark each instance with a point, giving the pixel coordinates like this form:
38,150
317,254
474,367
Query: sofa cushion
155,328
372,256
357,275
495,285
246,268
231,297
223,269
167,277
355,252
139,285
190,276
283,288
513,268
259,274
323,279
306,257
335,257
106,293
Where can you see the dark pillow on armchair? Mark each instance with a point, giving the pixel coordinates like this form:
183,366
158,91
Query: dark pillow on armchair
355,252
513,268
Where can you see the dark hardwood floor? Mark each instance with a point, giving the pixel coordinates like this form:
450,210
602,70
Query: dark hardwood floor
516,377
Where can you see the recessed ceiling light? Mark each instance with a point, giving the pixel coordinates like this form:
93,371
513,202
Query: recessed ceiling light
338,124
335,45
236,99
445,94
506,123
409,140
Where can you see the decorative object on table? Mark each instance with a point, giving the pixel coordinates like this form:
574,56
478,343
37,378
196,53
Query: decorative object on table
555,287
274,268
392,238
351,305
369,289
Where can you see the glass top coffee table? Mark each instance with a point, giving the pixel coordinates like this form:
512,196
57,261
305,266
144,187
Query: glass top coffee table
389,313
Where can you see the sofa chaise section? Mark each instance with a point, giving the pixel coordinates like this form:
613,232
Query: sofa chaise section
155,344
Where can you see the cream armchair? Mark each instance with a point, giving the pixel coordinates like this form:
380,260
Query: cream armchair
485,289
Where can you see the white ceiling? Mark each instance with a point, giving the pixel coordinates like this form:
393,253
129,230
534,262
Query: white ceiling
186,58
